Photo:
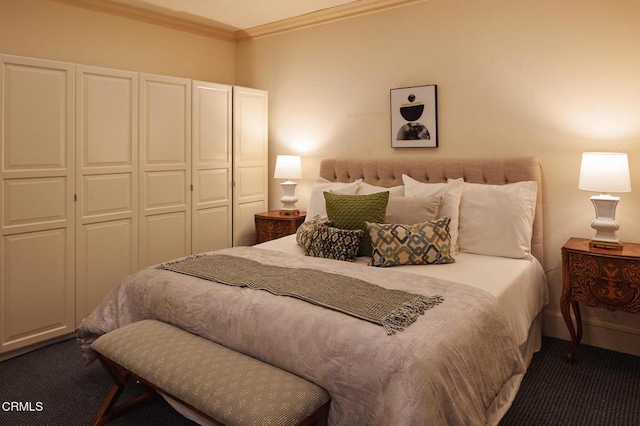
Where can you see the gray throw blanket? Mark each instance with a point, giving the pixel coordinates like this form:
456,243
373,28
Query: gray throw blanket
392,309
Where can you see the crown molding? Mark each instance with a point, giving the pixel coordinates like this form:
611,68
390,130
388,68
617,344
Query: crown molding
151,17
349,10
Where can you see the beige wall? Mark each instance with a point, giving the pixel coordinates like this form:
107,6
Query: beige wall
515,78
50,30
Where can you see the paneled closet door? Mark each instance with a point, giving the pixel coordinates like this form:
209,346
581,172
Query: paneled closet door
165,168
106,182
36,279
211,167
250,188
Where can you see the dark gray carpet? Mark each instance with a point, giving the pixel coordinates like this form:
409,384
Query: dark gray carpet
602,388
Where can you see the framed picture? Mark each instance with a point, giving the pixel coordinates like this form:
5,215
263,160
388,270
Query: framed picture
414,117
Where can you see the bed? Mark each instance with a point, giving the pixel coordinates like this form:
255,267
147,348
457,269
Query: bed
460,362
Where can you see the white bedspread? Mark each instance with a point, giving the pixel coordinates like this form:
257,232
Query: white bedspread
519,285
459,363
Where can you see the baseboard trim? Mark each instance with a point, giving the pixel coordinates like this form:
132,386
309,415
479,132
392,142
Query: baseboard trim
21,351
615,337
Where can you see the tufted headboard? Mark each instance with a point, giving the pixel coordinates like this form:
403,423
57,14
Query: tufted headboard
493,171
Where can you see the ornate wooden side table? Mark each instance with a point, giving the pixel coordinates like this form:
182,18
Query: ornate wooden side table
601,278
272,225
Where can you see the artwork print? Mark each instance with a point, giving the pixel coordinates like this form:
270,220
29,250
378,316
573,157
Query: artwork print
414,117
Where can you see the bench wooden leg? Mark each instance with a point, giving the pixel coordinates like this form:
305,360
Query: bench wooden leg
109,411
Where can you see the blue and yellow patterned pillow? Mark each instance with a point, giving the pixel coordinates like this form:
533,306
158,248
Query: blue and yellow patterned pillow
420,244
334,243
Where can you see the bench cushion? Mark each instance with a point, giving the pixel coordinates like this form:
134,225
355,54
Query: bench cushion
230,387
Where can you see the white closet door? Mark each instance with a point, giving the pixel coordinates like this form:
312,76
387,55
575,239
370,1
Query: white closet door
165,168
106,182
36,279
250,135
211,167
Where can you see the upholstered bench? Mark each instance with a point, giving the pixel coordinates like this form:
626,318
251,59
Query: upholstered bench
219,384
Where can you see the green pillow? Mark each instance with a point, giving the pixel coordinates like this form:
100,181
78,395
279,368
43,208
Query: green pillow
352,211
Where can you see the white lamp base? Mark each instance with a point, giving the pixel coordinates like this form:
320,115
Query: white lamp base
605,222
289,198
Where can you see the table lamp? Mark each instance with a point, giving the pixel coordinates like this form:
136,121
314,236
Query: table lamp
605,172
288,167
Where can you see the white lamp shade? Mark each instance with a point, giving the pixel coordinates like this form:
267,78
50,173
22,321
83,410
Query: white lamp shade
604,172
288,167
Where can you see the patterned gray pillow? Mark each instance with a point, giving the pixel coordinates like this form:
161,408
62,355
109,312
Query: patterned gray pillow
304,232
334,243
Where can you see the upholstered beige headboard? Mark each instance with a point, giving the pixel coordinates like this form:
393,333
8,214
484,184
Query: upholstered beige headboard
493,171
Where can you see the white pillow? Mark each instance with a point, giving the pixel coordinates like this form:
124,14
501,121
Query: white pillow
367,188
317,206
450,193
497,220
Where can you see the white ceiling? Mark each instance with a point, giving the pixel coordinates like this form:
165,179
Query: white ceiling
234,14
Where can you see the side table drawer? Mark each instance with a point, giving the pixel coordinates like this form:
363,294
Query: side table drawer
263,235
605,282
272,225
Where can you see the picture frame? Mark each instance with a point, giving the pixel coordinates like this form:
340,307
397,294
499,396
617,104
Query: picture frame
414,117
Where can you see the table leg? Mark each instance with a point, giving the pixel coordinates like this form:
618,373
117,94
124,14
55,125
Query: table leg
576,337
576,313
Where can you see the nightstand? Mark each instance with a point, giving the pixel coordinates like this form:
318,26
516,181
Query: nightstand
601,278
272,225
